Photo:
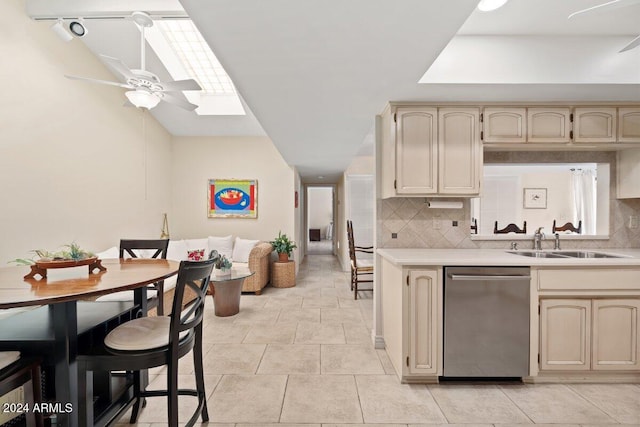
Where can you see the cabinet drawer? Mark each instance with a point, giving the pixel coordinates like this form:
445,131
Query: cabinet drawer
589,279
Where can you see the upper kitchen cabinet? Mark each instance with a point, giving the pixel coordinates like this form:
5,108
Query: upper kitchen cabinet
595,125
416,150
505,124
429,151
460,151
629,124
549,125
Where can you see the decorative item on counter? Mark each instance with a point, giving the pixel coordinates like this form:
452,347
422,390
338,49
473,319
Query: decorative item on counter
283,246
74,256
221,265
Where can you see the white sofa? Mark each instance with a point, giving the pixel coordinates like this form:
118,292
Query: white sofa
252,254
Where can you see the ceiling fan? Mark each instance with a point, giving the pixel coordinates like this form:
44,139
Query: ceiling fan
613,4
146,90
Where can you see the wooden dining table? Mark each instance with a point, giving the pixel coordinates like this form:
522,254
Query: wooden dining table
61,291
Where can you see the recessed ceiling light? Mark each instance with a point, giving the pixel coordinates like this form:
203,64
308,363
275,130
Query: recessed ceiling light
320,176
489,5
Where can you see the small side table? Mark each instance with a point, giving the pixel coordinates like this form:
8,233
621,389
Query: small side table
226,291
283,274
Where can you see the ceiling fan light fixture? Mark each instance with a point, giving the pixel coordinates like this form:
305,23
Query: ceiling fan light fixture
142,98
489,5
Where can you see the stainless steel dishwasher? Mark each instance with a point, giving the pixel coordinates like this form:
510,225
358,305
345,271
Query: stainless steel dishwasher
486,322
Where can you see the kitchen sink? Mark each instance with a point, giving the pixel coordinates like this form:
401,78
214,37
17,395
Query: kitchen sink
537,254
564,254
586,254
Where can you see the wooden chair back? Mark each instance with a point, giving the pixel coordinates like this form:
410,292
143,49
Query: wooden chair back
511,228
567,227
129,246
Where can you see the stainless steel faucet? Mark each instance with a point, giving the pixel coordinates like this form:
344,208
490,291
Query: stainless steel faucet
537,239
514,246
556,245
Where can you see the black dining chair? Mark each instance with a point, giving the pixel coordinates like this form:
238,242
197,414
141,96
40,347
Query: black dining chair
23,372
155,248
149,342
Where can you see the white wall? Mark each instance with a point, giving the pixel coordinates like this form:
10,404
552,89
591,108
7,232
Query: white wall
320,205
198,159
74,164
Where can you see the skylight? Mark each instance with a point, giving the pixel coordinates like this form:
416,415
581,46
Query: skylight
186,54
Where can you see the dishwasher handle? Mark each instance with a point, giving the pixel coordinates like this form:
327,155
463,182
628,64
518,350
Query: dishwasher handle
478,277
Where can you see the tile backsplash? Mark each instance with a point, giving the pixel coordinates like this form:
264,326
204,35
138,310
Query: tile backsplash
417,226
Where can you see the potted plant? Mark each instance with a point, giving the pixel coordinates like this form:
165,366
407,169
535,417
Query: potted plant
221,265
283,246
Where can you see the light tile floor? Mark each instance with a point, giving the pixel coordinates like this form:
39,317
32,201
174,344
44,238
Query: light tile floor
303,356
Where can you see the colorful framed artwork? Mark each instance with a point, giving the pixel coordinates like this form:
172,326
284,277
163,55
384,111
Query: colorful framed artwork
535,198
232,198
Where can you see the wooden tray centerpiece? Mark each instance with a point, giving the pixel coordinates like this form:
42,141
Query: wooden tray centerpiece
41,267
74,257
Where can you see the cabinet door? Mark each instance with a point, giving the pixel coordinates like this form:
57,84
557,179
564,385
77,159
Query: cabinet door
548,125
594,125
505,125
616,334
416,150
629,124
422,320
565,335
460,151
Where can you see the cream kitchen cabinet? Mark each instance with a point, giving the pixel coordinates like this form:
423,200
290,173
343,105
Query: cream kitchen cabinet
565,334
589,334
459,151
429,151
416,150
594,125
412,320
616,332
628,174
503,124
549,125
422,321
629,124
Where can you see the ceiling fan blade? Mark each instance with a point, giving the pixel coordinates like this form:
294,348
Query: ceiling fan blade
613,4
118,66
104,82
634,43
180,85
171,99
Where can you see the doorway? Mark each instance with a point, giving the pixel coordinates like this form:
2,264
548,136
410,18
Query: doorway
320,220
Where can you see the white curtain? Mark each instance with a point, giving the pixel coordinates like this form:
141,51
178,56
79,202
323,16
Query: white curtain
584,199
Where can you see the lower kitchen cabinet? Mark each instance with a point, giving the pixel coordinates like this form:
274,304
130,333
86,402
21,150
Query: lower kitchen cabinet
412,320
422,321
565,334
616,332
589,334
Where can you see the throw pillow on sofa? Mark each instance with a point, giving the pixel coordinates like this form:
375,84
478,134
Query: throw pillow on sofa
224,245
242,249
177,250
195,255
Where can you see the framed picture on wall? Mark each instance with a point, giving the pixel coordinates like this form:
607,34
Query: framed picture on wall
232,198
535,198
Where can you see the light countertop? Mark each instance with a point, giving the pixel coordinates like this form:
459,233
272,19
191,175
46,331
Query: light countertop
500,257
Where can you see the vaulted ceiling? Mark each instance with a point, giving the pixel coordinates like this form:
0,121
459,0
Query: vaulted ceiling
314,73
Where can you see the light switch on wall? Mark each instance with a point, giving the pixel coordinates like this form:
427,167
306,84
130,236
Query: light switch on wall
633,221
